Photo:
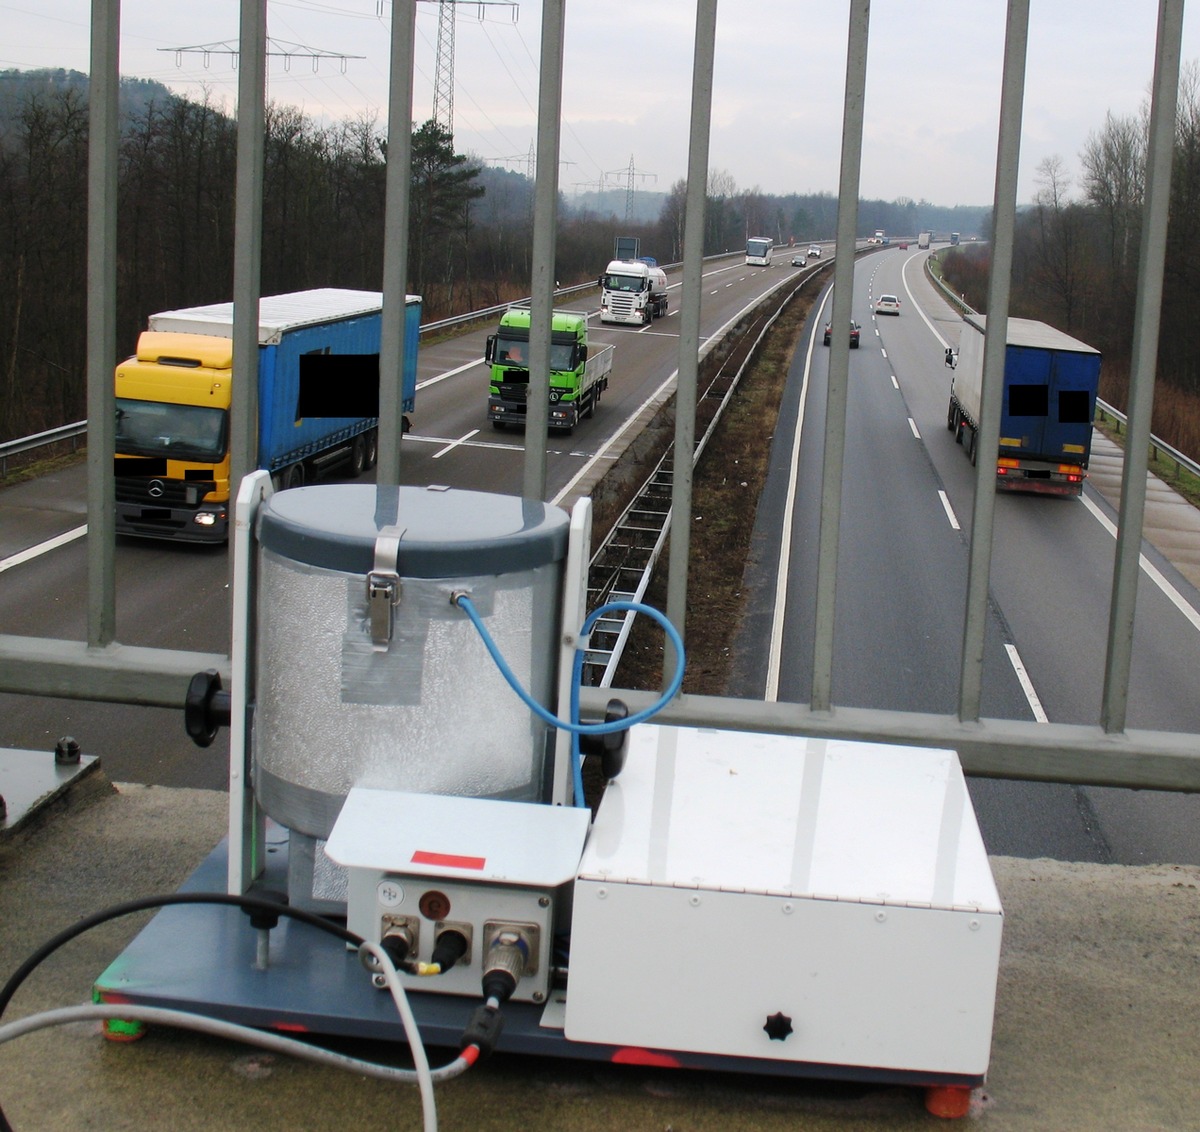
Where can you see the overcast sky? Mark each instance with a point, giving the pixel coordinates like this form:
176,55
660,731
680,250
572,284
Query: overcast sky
933,81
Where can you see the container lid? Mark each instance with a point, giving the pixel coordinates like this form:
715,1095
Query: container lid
446,532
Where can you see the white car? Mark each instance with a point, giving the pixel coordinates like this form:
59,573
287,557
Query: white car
814,250
887,304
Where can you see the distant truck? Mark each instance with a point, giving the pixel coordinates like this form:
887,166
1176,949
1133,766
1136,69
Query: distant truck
318,396
1049,401
578,376
923,239
633,291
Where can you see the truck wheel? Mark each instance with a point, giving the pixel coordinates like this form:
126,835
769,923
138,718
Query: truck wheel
372,448
498,426
358,455
968,443
950,421
294,476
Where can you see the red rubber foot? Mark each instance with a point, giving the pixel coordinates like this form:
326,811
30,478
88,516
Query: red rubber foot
949,1101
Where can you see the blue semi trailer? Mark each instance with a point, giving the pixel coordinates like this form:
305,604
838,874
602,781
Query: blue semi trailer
318,404
1049,400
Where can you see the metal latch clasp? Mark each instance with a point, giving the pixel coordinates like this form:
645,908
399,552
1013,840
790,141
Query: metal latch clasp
383,595
383,586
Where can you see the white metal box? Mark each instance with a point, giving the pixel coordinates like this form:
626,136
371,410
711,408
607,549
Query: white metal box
796,899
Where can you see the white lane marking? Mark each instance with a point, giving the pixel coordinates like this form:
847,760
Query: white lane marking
895,383
883,352
946,506
775,651
913,425
1035,705
1152,572
449,373
916,305
42,548
455,443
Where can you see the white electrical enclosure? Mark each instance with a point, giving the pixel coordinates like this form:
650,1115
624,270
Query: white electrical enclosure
435,861
767,896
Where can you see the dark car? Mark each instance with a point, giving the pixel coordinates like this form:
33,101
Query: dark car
853,334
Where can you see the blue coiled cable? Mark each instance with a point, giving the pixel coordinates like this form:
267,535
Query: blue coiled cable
463,601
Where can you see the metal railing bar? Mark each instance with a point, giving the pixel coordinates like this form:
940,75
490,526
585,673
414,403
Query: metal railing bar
988,748
1008,150
397,191
687,375
1146,319
837,395
545,225
103,149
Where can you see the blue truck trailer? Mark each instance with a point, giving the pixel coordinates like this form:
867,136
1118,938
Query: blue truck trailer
318,398
1049,401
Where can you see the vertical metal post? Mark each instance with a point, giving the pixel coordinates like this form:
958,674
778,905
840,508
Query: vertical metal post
103,147
839,358
703,58
1146,319
395,240
987,443
545,224
247,253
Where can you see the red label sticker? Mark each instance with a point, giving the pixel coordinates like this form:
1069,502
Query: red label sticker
448,860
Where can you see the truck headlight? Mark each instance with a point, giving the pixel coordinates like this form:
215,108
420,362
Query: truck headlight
204,519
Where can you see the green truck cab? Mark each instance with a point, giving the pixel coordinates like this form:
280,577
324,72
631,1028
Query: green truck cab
578,375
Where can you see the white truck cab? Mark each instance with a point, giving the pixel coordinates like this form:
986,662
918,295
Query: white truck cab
632,291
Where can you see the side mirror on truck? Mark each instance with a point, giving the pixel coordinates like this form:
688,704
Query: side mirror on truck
489,350
951,357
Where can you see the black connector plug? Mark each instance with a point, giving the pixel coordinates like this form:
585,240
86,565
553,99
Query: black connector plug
396,944
449,947
483,1030
499,984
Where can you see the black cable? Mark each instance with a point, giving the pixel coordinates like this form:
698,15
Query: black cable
246,903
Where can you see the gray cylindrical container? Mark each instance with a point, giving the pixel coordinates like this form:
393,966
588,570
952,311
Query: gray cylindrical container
356,688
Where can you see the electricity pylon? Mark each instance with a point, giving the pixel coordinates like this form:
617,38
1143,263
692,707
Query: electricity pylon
630,173
443,72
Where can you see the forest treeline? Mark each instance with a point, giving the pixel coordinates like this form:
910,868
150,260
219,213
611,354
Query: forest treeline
1075,260
469,241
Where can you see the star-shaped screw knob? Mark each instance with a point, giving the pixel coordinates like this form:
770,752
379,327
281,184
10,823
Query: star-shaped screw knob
778,1026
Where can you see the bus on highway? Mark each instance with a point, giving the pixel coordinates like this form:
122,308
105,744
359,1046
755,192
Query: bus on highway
758,251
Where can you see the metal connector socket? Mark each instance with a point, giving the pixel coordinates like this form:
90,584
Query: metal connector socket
407,928
513,947
467,931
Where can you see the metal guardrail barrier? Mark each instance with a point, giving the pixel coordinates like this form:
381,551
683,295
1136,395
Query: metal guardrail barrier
38,440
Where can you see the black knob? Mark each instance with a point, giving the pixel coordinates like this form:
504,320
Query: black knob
206,708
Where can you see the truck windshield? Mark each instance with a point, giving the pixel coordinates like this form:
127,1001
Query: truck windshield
625,283
515,352
181,432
